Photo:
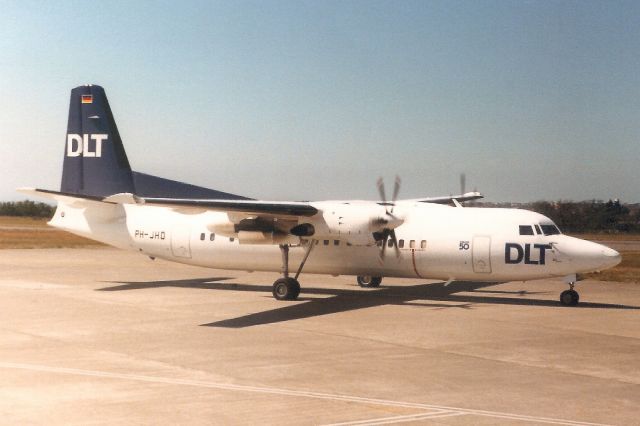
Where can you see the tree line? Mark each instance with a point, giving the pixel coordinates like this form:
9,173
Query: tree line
26,209
586,216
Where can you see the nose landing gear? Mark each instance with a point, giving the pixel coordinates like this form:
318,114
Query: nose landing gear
569,297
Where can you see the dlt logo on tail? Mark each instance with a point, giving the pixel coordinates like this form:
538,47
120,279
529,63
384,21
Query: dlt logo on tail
79,145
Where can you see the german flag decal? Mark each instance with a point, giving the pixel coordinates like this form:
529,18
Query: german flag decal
87,99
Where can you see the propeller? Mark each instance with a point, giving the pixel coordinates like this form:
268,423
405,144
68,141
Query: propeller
390,219
463,183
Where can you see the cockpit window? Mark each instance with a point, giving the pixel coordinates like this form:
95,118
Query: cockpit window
550,229
526,230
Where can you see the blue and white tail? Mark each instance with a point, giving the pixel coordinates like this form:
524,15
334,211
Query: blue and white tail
95,162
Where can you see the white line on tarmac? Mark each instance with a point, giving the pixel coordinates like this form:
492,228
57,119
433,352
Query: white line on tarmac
400,419
289,392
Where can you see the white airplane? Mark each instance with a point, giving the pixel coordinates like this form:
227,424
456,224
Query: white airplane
101,198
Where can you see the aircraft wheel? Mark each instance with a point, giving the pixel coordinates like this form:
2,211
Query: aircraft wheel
286,289
569,298
369,281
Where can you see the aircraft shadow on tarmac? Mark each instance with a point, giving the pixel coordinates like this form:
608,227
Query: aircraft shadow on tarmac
341,300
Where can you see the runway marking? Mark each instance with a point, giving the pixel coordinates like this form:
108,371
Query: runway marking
441,409
401,419
30,285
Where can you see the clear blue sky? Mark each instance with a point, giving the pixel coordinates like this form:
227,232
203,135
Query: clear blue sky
315,100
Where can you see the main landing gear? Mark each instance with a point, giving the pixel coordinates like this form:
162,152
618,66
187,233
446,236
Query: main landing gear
569,297
369,281
287,288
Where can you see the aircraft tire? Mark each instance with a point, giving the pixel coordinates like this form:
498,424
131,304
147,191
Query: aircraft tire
569,298
369,281
286,289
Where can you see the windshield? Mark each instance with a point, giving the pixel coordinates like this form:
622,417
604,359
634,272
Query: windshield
550,229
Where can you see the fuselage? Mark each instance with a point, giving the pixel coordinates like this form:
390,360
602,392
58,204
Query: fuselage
435,242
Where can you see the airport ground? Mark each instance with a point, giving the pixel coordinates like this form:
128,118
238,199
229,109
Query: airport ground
101,336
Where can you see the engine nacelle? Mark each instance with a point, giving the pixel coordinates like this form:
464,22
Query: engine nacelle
260,231
257,237
226,228
353,222
303,230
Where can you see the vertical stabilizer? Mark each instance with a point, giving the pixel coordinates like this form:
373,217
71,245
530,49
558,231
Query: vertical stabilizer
95,162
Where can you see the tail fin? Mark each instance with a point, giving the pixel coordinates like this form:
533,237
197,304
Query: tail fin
96,165
95,162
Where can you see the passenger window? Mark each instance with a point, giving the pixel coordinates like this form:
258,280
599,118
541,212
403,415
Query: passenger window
202,237
538,231
326,242
423,244
526,230
401,244
390,243
412,244
212,237
231,239
336,242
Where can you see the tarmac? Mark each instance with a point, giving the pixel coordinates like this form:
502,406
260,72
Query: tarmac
101,336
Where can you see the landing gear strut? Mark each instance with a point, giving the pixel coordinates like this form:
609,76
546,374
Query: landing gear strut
569,297
369,281
287,288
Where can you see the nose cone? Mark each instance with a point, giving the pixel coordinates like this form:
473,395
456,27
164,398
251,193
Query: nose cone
586,256
598,257
611,257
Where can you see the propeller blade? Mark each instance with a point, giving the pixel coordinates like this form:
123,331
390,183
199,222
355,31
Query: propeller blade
396,189
383,196
388,233
395,242
384,247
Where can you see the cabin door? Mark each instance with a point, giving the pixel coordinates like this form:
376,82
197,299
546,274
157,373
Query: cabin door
180,241
481,250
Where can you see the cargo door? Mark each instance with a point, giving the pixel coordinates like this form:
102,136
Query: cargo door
481,255
180,241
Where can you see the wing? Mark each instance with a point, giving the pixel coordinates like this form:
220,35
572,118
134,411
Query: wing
249,207
468,196
251,221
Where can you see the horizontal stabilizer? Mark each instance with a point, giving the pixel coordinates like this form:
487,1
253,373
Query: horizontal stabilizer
71,199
